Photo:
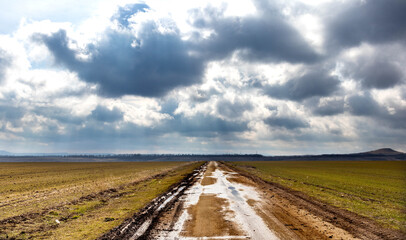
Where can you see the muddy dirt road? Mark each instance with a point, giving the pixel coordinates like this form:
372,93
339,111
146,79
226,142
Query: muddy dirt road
223,204
217,202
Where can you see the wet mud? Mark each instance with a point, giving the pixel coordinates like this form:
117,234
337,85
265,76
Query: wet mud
139,226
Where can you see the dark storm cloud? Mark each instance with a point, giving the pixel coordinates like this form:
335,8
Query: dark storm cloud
364,105
380,136
379,74
378,70
126,12
373,21
149,62
103,114
398,119
314,83
329,108
57,43
160,64
233,109
286,122
154,63
5,62
267,37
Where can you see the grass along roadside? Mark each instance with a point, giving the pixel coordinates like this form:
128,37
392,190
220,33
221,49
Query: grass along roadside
30,187
89,216
375,189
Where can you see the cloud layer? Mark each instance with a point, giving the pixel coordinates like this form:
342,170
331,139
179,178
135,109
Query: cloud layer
157,65
207,77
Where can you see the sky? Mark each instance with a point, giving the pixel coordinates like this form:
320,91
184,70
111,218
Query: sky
270,77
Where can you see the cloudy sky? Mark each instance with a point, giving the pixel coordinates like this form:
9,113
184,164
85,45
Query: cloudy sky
273,77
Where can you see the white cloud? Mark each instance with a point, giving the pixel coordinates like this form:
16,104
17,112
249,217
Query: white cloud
54,106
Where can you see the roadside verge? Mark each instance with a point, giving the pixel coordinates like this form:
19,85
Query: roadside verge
359,226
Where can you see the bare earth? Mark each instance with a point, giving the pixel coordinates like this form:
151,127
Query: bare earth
224,204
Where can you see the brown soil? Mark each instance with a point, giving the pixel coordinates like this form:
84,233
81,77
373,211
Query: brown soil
289,222
208,181
209,219
310,218
242,180
211,167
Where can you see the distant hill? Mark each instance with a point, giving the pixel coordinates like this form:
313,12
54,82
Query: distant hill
384,151
383,154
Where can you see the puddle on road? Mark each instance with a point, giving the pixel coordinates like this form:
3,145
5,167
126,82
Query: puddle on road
236,193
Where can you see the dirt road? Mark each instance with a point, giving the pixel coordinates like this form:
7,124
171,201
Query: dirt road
217,202
223,204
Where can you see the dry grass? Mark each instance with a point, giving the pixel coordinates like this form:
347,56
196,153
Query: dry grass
87,199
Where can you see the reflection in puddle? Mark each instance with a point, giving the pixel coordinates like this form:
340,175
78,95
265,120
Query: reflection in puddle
235,193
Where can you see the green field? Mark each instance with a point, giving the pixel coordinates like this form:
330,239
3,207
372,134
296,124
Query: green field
376,189
87,199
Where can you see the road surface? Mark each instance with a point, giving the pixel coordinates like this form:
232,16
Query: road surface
217,202
223,204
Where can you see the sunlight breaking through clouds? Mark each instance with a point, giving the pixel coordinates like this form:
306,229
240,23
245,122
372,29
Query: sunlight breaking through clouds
203,77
